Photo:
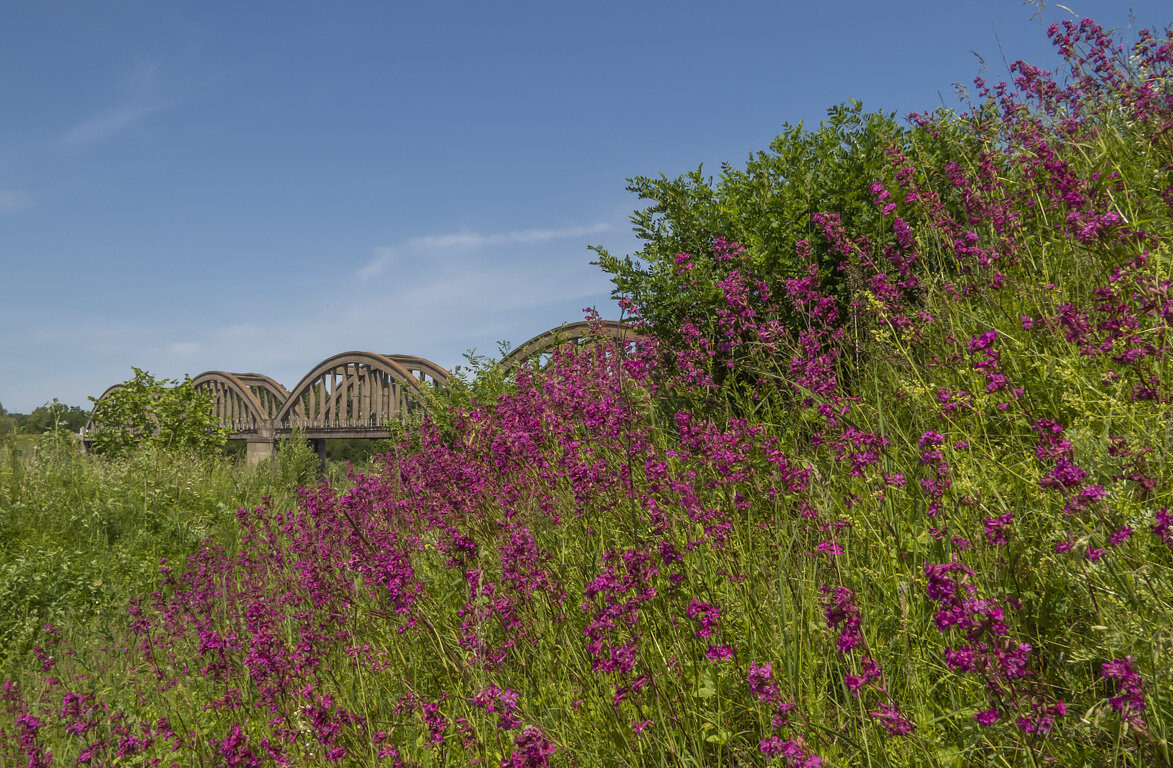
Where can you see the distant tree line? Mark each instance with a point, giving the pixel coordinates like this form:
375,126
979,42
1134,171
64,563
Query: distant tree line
53,416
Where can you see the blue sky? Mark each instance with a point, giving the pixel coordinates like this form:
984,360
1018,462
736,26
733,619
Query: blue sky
257,186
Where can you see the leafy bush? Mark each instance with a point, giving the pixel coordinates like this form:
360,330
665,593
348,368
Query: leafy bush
168,414
766,206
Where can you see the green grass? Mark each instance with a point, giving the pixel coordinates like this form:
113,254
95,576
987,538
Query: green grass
80,536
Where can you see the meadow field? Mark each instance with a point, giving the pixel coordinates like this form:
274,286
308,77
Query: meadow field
881,478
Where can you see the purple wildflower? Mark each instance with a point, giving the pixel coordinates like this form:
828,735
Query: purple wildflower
1129,701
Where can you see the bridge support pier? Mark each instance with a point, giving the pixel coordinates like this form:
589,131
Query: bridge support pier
319,444
256,451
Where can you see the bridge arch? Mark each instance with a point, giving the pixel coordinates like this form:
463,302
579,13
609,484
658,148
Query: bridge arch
236,405
355,391
423,369
570,333
270,394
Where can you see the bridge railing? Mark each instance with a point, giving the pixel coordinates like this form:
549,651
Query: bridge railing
368,423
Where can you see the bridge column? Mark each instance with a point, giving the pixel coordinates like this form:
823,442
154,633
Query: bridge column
319,444
260,445
256,451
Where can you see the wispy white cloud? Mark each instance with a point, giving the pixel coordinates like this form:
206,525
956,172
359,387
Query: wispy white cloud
466,242
140,98
184,349
112,121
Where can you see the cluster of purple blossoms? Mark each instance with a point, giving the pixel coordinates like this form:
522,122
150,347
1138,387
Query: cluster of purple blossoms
895,722
1129,699
531,749
937,478
707,618
988,652
997,527
235,750
1065,476
765,689
988,360
841,609
790,751
870,671
1041,718
503,703
1070,479
1163,527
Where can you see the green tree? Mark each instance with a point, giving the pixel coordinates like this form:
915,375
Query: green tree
55,417
170,414
7,423
767,207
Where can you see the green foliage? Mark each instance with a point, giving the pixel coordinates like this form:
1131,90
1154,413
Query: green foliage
297,461
359,451
80,537
55,417
766,207
159,412
480,382
475,385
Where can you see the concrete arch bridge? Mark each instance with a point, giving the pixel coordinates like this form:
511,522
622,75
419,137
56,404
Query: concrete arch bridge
352,394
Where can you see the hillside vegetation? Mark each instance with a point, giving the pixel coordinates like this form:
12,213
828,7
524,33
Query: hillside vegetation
883,481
